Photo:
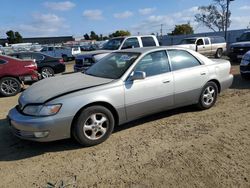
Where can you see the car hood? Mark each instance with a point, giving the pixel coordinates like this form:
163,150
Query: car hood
49,88
92,53
241,44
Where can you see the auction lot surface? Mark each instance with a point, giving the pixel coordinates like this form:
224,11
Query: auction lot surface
178,148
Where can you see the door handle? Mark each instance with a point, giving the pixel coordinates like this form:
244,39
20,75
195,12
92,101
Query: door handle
203,73
165,81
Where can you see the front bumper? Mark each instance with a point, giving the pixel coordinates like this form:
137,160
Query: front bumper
28,127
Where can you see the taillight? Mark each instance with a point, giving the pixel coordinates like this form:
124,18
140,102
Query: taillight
31,66
61,61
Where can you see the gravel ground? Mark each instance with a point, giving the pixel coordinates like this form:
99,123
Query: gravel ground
178,148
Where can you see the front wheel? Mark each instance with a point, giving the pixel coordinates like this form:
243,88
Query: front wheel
208,96
94,125
9,86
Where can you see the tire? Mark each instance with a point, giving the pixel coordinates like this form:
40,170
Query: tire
65,58
93,126
47,72
208,96
9,86
219,53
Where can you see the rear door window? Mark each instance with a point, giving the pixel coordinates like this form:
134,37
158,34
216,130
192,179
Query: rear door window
131,43
181,59
37,57
25,56
206,41
148,41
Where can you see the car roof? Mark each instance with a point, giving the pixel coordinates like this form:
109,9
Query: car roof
148,49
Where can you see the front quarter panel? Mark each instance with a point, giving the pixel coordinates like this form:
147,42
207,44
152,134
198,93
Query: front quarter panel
112,93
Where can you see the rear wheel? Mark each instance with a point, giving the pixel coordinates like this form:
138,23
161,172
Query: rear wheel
9,86
47,72
208,96
94,125
219,53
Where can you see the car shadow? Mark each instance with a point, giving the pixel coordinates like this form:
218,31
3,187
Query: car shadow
13,148
240,83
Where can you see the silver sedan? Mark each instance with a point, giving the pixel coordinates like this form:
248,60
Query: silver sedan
121,87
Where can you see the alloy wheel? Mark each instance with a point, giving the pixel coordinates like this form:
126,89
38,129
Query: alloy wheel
95,126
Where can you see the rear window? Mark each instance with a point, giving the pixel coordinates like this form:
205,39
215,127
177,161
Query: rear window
148,41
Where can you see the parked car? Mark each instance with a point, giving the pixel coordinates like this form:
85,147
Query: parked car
47,65
84,61
245,65
209,46
239,48
67,53
123,86
13,72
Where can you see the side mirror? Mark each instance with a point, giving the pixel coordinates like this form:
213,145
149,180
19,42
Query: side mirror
138,75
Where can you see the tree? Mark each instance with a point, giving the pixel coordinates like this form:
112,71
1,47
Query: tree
14,37
183,29
214,16
120,33
18,38
94,36
86,36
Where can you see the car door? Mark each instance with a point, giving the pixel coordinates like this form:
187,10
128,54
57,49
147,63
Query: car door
155,92
190,75
208,47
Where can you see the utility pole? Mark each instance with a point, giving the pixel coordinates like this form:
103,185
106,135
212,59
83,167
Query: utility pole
161,30
227,12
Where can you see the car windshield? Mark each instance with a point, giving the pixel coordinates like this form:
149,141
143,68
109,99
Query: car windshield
113,66
188,41
113,44
244,37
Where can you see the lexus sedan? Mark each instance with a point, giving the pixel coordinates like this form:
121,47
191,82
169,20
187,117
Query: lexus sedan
123,86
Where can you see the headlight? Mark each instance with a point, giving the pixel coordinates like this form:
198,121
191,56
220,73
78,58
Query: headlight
42,110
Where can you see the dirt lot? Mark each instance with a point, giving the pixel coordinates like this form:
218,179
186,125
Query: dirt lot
180,148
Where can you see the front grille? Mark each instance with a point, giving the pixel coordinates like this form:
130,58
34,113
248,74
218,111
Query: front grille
241,50
78,61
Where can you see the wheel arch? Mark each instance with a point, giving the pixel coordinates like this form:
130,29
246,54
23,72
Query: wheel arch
217,83
100,103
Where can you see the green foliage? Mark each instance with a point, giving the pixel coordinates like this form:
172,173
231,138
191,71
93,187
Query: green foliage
86,36
14,37
182,29
120,33
214,16
94,36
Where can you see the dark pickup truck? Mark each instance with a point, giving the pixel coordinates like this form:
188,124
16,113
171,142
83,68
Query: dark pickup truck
239,48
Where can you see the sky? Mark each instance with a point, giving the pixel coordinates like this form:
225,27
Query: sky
37,18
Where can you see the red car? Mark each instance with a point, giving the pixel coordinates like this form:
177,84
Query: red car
14,72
